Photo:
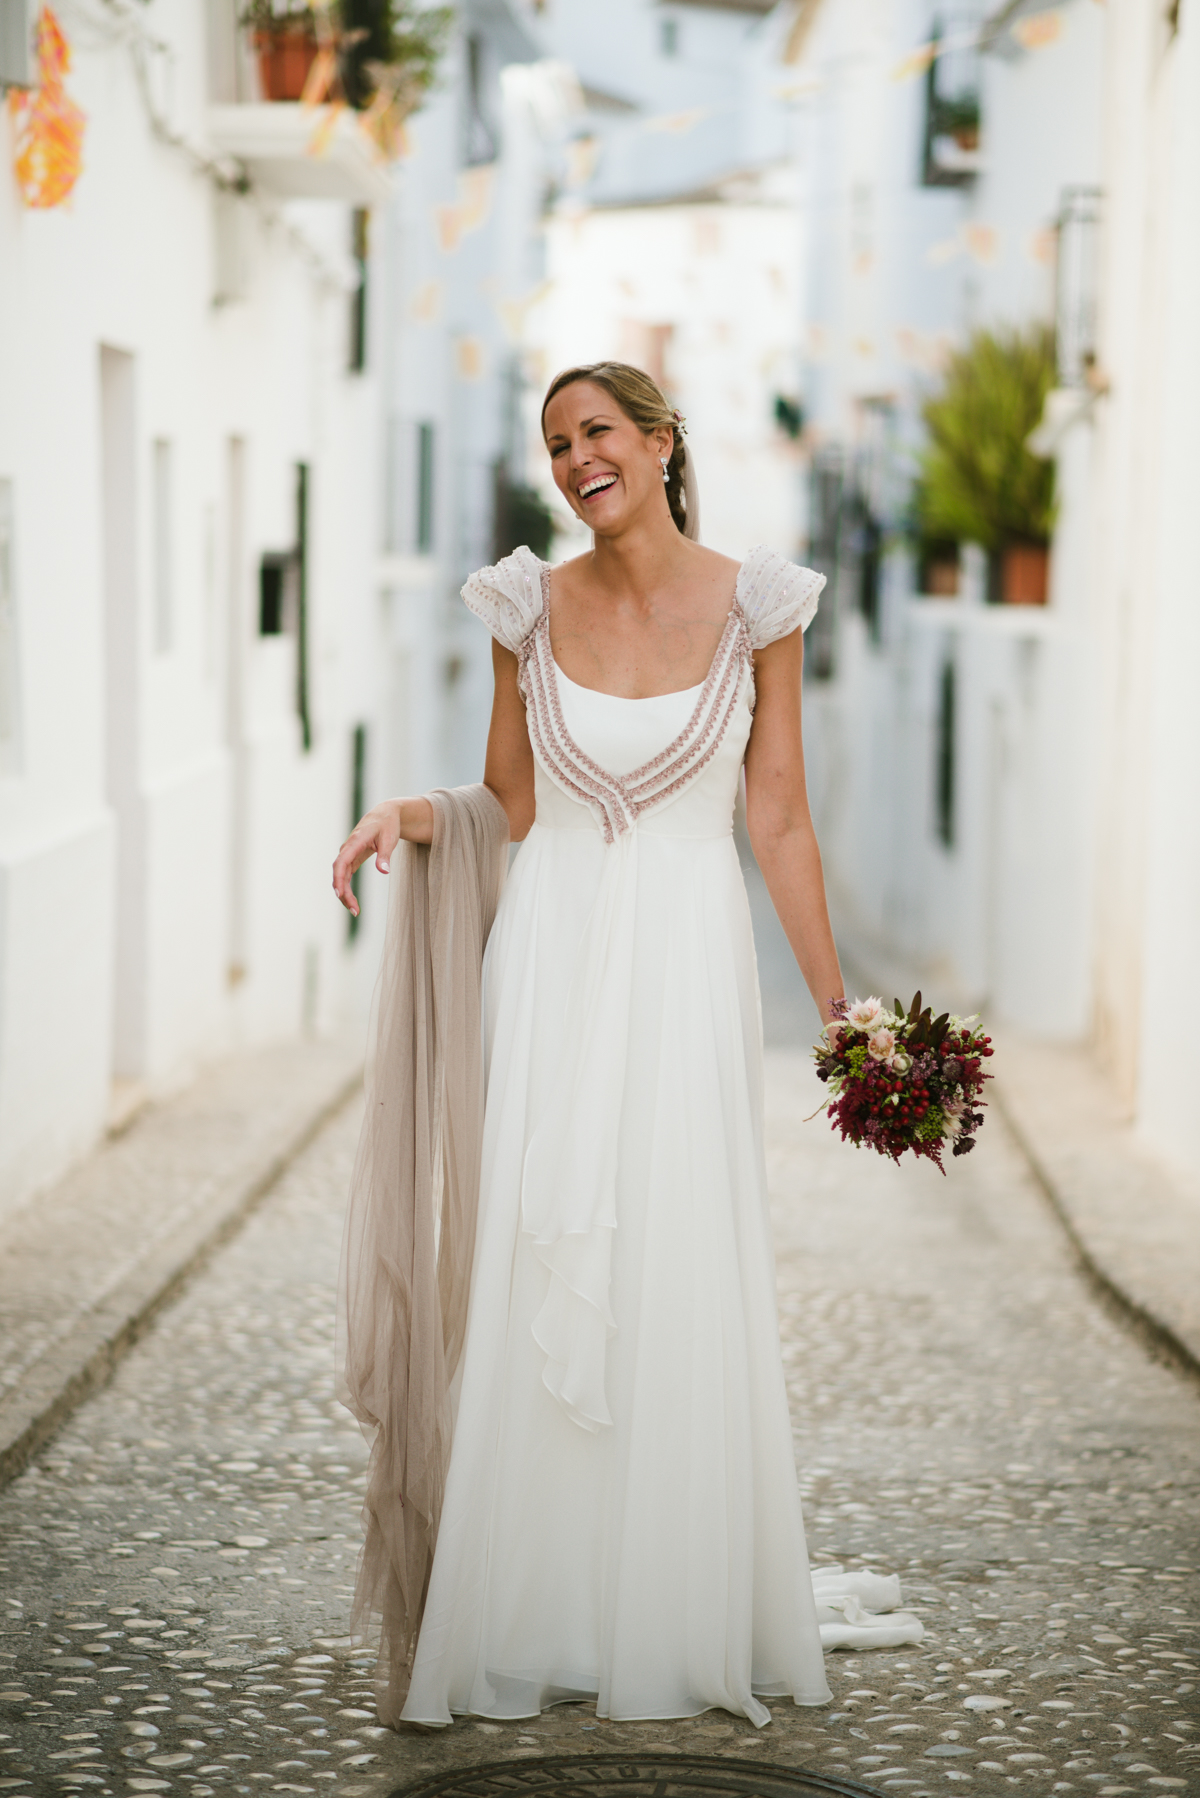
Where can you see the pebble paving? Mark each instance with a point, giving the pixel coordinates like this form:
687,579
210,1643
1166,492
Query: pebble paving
176,1567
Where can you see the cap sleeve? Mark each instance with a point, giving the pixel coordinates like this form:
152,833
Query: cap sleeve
776,596
508,597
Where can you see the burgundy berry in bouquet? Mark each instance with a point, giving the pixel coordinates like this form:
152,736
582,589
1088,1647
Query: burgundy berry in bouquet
903,1079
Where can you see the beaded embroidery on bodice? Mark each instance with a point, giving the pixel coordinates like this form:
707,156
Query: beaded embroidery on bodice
772,598
622,798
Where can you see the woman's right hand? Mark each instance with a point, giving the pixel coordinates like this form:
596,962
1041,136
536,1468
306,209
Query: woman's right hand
377,834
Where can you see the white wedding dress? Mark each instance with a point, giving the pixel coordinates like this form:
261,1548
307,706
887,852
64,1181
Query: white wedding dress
621,1518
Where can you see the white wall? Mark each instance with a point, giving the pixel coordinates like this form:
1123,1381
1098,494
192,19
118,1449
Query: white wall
1146,469
158,787
1001,915
461,254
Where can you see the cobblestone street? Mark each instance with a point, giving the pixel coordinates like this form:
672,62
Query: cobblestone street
178,1563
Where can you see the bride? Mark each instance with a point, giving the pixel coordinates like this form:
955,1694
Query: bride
620,1518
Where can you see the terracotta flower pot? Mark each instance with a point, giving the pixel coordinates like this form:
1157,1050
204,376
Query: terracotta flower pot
285,55
1025,574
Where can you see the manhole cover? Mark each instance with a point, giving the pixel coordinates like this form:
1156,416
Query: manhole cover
634,1776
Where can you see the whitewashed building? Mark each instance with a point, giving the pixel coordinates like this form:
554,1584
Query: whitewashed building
1007,794
953,780
227,544
459,256
1143,585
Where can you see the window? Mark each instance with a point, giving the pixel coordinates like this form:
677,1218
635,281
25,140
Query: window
16,64
357,357
952,102
302,567
668,36
394,487
358,777
163,546
425,450
480,138
825,551
944,771
869,546
789,415
9,672
276,593
283,598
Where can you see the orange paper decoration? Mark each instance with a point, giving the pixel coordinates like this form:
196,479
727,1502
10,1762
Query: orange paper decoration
48,125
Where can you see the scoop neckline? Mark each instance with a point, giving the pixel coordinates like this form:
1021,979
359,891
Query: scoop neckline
624,698
648,698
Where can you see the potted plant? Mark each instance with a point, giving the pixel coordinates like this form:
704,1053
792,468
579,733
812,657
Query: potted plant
388,57
978,483
286,40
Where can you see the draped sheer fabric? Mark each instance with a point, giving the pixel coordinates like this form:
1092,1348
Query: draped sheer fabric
410,1228
583,1486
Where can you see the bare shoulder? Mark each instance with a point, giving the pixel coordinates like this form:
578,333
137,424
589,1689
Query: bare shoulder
720,570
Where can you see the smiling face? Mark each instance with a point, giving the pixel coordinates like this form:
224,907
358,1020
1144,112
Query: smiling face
607,470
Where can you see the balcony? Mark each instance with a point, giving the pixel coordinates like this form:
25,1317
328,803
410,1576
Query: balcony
300,152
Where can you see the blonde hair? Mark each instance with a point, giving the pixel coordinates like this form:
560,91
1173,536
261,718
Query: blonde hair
642,400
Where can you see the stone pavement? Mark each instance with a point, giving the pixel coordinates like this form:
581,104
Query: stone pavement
177,1564
1133,1220
85,1265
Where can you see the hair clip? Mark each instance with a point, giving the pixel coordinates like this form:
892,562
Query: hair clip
680,423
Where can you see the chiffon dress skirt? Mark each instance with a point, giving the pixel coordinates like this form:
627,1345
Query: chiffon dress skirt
621,1518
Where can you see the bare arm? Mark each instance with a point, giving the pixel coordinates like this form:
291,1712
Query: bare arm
508,772
779,821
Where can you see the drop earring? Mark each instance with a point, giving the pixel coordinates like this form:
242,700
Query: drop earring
666,475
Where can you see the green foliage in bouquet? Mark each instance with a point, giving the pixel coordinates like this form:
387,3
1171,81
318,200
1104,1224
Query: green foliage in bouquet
924,1030
978,483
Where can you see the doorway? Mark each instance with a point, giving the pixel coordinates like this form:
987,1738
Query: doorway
122,714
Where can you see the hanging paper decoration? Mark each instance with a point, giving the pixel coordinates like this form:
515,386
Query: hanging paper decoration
916,63
47,124
678,124
1038,30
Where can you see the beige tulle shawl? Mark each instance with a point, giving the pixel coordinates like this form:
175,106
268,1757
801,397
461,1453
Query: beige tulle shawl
410,1228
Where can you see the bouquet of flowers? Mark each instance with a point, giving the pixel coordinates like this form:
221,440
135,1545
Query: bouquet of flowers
903,1080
